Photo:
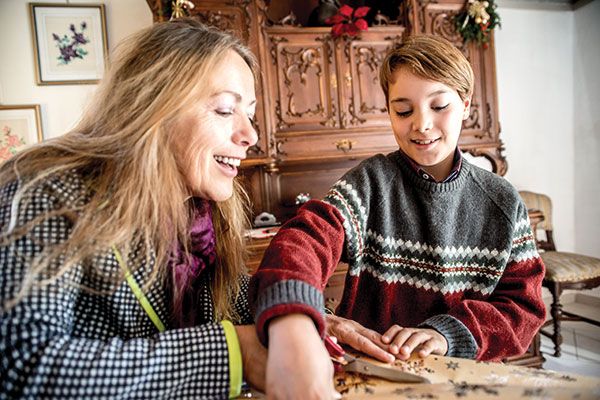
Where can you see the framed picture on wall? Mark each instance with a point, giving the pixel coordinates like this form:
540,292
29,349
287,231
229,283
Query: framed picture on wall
19,126
69,42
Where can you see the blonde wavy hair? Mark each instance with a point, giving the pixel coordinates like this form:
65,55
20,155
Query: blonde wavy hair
122,148
429,57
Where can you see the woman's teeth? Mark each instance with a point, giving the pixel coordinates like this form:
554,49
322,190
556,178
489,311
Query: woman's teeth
232,162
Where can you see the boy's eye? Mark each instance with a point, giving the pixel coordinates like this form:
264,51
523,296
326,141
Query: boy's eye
440,108
403,113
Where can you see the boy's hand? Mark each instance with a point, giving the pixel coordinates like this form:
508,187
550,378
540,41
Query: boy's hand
360,338
403,341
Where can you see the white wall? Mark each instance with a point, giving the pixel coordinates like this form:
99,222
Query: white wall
547,67
535,55
586,91
61,104
549,94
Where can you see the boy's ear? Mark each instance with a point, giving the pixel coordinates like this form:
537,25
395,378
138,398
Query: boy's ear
467,111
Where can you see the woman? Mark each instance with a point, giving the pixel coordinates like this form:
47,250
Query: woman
122,241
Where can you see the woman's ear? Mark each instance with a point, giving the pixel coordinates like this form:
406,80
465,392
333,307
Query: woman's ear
467,111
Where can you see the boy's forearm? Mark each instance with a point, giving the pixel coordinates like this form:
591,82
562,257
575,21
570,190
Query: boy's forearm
296,266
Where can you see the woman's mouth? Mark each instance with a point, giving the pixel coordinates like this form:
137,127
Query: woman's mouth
228,165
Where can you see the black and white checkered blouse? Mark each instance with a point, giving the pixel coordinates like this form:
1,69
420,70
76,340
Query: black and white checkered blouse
62,341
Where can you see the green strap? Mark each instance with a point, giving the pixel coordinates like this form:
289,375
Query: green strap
235,359
139,294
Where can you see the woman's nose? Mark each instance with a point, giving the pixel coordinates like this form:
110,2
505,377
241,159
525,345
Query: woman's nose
245,135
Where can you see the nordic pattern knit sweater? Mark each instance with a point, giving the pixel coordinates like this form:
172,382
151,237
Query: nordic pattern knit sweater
63,341
458,257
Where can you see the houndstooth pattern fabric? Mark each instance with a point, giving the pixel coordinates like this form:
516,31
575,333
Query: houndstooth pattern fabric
62,341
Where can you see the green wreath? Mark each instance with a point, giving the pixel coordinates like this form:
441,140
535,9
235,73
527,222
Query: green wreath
477,20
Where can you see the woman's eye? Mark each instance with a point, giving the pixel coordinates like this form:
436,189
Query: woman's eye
440,108
224,112
403,113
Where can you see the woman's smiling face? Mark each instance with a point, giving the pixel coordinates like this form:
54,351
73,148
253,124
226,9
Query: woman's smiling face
212,138
426,118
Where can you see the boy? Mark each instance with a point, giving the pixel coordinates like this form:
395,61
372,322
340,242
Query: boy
440,252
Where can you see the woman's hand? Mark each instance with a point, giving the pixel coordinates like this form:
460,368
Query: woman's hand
254,356
403,341
298,365
358,337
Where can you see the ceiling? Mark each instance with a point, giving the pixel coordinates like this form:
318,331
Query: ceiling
544,4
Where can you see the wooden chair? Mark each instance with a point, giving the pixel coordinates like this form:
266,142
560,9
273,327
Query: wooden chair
563,270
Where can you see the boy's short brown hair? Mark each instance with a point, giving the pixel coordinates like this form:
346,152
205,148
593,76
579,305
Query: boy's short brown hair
429,57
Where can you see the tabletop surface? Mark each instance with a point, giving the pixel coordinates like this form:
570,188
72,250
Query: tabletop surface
455,378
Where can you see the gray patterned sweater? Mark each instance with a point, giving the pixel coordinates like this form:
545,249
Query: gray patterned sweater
457,256
62,341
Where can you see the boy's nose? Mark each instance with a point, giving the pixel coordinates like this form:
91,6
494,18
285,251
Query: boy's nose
421,122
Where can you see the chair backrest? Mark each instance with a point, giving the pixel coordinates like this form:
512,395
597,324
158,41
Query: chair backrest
542,202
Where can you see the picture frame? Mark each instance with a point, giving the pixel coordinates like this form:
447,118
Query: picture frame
69,43
20,126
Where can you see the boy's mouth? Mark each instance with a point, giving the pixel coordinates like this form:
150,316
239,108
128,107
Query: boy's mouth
425,141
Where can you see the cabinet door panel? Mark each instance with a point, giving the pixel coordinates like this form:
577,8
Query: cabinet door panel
302,84
363,102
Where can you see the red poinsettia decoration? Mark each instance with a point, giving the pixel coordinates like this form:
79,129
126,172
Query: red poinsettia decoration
348,21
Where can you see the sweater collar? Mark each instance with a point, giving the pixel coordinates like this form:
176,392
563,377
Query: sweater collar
456,164
431,186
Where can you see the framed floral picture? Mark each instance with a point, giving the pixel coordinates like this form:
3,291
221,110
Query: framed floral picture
19,126
69,42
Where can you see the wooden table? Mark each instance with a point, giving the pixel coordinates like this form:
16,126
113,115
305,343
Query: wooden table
455,378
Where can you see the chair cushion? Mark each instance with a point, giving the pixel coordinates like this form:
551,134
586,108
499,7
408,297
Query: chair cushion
569,267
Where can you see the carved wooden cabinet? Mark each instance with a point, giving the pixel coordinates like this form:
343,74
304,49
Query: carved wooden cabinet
320,107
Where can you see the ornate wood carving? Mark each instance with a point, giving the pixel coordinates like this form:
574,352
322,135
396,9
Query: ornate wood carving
371,58
276,144
223,21
494,155
300,63
256,149
442,24
331,121
355,118
281,124
326,40
473,121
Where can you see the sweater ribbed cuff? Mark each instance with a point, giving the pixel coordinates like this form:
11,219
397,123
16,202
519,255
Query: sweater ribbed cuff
289,292
461,342
287,297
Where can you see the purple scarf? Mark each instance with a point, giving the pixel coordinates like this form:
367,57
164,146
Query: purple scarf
187,268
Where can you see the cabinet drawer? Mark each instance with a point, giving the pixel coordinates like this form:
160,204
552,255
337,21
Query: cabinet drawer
342,145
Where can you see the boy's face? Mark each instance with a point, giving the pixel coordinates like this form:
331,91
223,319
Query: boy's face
426,119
